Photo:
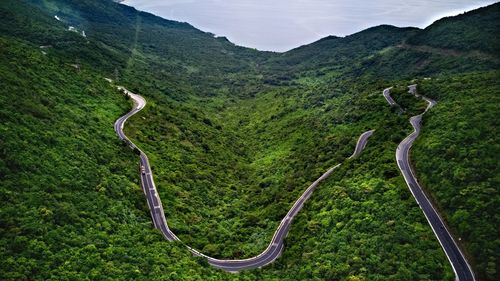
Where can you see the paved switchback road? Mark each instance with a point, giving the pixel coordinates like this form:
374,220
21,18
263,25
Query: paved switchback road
360,145
275,247
387,96
462,269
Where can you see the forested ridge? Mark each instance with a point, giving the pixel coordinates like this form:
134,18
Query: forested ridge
234,136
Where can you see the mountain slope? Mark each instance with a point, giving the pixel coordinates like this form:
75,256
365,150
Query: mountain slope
452,45
339,52
473,31
464,183
234,136
72,209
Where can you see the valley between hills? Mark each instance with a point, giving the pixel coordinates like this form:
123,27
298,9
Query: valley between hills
234,137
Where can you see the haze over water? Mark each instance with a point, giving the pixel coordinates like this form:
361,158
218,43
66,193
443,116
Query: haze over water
280,25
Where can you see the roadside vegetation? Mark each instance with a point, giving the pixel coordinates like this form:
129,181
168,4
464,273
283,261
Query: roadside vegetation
72,208
464,183
234,137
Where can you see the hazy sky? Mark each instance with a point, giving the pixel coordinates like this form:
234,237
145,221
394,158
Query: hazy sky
280,25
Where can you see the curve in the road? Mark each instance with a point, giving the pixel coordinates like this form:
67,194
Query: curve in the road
461,267
390,100
387,96
360,145
275,247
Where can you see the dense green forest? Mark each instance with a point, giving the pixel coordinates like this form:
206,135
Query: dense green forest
72,209
234,137
465,184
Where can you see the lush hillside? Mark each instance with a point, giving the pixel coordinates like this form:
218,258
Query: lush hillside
474,31
132,47
234,136
452,45
336,53
71,205
465,180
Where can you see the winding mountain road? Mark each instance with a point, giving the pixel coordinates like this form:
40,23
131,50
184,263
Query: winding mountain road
387,96
361,144
462,269
275,247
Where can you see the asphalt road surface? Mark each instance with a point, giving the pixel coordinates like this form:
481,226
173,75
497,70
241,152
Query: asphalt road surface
387,96
360,145
462,269
275,247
